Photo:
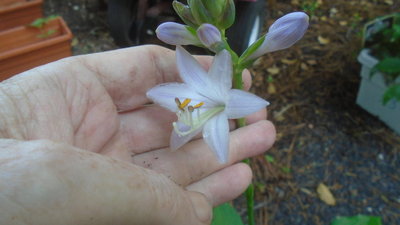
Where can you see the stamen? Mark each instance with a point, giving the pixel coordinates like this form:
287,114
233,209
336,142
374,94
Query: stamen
186,117
198,105
191,109
178,103
185,103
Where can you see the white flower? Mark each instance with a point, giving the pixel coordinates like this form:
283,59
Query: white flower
205,102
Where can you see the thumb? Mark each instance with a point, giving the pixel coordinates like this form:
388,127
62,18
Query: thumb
66,185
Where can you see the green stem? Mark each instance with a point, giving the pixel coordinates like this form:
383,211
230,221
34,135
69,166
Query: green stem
250,204
238,84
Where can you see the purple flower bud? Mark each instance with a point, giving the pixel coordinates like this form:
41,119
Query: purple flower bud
283,33
209,35
176,34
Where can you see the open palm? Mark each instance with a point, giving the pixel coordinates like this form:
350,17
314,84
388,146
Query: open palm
97,103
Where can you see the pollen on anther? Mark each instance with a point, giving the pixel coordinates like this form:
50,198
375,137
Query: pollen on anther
185,103
198,105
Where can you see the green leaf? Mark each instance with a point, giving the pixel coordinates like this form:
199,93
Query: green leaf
357,220
225,214
250,50
393,91
38,23
286,170
389,65
269,158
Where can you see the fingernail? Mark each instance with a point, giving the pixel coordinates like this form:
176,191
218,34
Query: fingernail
201,207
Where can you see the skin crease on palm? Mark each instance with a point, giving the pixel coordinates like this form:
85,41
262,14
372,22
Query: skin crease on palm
81,144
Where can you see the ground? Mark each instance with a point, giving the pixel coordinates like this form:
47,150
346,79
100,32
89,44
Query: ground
324,137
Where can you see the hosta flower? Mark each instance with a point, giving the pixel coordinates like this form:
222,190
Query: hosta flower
176,34
205,102
283,33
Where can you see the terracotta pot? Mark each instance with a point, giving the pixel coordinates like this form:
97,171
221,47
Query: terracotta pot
25,47
19,12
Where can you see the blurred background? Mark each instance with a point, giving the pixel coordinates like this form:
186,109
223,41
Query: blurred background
331,158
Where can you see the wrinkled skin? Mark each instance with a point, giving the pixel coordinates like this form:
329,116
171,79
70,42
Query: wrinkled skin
80,144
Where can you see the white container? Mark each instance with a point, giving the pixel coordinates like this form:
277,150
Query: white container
371,92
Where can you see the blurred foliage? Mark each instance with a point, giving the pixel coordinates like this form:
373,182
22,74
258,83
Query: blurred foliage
357,220
382,36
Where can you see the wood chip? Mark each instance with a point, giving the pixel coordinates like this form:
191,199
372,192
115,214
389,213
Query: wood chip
323,41
306,191
271,88
273,70
289,61
74,42
312,62
304,66
389,2
325,194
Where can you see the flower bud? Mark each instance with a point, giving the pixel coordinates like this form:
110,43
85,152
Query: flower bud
283,33
215,7
228,15
200,12
209,36
221,13
176,34
184,13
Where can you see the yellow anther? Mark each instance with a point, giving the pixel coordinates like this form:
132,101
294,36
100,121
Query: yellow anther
185,103
198,105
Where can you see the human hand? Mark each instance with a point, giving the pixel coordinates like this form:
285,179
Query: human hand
92,108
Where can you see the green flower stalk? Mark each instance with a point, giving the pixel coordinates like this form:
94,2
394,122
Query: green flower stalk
205,101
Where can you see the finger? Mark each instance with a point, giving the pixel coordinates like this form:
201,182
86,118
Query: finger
257,116
150,128
247,80
224,185
81,187
195,160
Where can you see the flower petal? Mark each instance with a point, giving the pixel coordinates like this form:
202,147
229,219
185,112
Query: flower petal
221,71
177,141
193,74
216,135
242,103
165,94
